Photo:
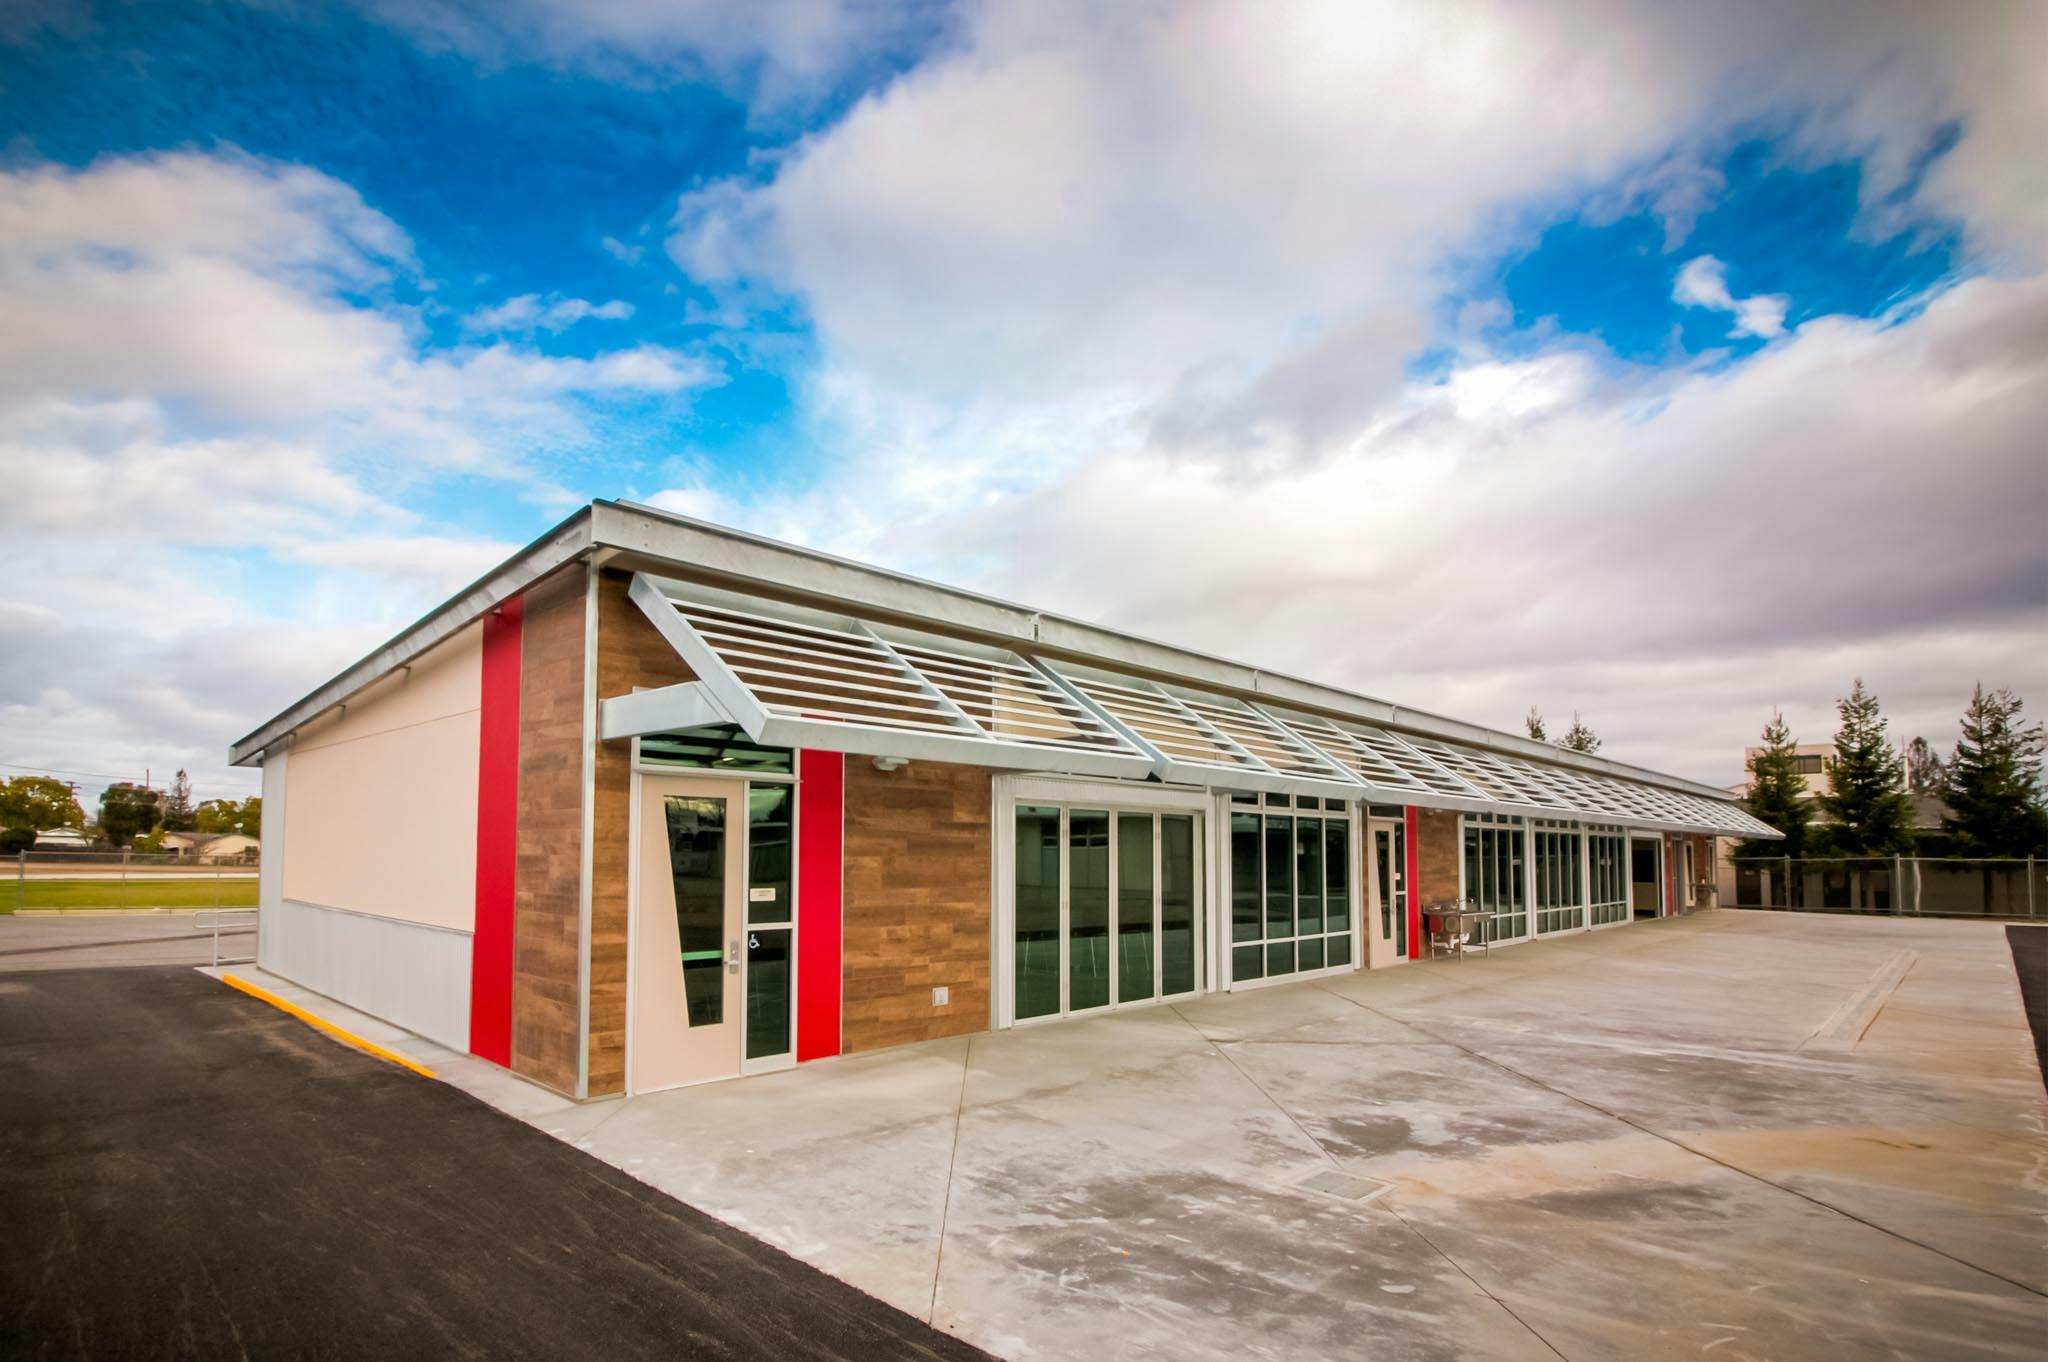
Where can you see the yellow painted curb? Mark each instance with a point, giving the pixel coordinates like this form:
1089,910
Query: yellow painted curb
321,1024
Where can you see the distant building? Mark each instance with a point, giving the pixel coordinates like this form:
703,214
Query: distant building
211,847
62,839
1811,759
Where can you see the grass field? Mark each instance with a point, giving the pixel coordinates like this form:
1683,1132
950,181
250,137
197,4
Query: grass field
113,893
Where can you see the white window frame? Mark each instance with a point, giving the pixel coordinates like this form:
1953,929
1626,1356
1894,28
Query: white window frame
1352,813
1113,797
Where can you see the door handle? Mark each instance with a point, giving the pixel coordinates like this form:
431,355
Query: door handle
732,956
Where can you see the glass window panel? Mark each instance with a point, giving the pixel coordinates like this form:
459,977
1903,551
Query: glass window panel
1038,911
1087,909
1308,875
1340,950
1247,962
768,844
1337,875
1312,952
1489,867
1473,886
1134,906
1176,903
767,991
1244,877
1400,890
696,856
1280,958
719,747
1279,800
1383,873
1279,877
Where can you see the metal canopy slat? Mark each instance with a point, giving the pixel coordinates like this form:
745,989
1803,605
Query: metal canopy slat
1192,733
801,678
796,677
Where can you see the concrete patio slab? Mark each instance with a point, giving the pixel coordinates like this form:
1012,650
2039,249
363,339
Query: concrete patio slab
1622,1144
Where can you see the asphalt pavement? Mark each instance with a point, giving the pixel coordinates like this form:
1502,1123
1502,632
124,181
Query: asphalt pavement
187,1172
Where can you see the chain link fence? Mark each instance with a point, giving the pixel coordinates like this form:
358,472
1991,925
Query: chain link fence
58,881
1902,886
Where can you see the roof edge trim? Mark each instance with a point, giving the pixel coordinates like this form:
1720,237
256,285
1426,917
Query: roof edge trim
567,541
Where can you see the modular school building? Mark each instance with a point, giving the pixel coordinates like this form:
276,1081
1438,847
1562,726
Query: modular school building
656,802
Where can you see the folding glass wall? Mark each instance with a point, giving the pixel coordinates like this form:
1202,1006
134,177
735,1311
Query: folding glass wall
1290,885
1607,857
1106,905
1495,877
1560,877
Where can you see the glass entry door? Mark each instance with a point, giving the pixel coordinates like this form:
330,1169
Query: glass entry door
1389,878
712,931
1106,908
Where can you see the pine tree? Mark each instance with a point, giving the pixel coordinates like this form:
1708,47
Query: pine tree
1866,800
178,815
1777,793
1579,738
1535,725
1994,780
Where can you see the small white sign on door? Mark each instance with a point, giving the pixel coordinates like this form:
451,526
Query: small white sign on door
763,895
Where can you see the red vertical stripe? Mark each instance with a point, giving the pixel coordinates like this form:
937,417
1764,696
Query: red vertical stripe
1671,874
820,825
497,827
1414,893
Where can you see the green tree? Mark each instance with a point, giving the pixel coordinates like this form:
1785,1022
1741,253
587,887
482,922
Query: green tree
231,815
1579,738
1994,780
126,810
38,803
1777,793
1534,723
14,841
1866,801
177,807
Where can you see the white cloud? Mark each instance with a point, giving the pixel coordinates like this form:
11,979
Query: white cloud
1195,201
1703,282
789,52
620,251
233,284
528,312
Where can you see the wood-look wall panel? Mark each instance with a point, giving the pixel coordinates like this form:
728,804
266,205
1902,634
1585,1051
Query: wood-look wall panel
1437,855
547,876
631,654
916,902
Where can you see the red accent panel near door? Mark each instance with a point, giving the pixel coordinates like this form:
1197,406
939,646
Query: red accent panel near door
497,838
1414,899
820,836
1671,875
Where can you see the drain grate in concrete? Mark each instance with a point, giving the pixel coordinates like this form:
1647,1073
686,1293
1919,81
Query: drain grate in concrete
1345,1186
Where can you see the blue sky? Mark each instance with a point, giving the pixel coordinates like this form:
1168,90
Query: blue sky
931,286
